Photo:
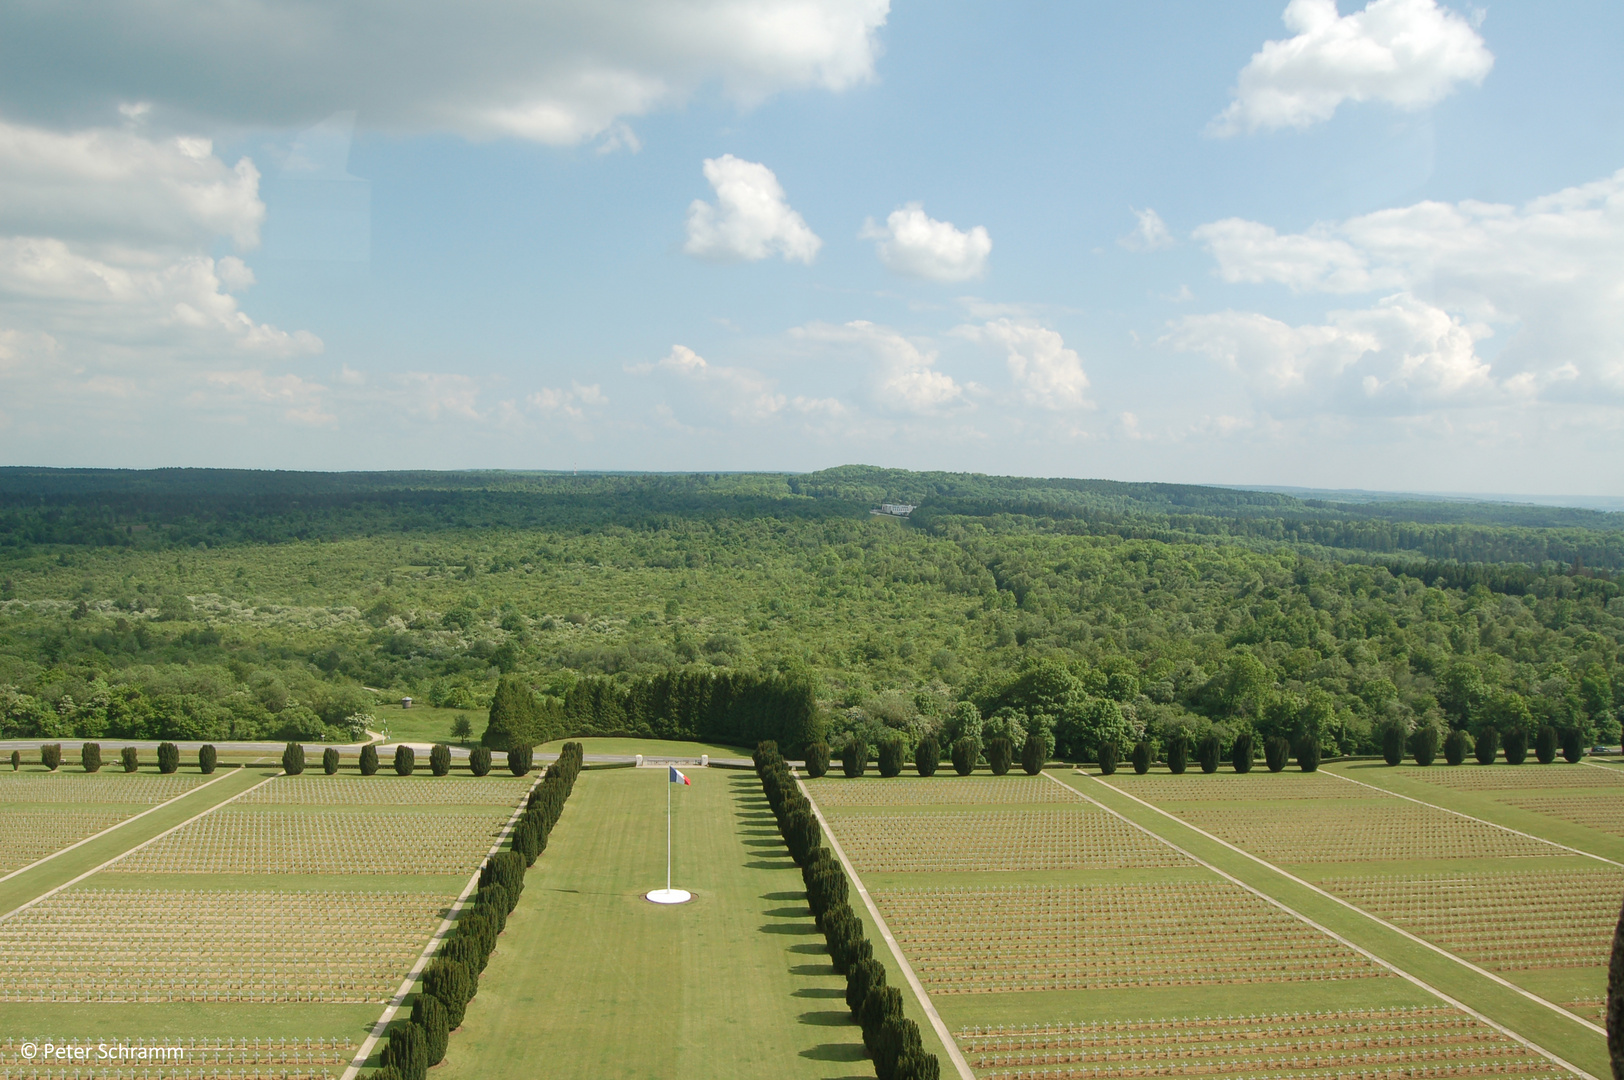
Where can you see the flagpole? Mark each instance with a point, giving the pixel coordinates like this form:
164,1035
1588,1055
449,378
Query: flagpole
668,832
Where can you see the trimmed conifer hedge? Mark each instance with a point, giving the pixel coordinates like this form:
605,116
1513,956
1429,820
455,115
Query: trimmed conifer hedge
1425,744
1487,746
965,752
405,760
496,900
440,759
1240,752
207,758
1178,753
429,1013
479,760
1393,744
16,760
50,756
449,981
854,757
1141,757
817,759
1209,752
1573,746
891,758
130,758
293,762
927,755
1308,753
406,1052
90,756
1455,744
1516,746
1276,752
329,760
1545,744
521,759
1000,754
168,758
1107,758
369,759
1032,754
1614,1018
881,1004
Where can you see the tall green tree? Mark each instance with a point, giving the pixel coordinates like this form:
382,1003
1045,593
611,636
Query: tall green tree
514,715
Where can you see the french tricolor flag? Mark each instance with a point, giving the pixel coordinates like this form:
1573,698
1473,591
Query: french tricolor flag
677,777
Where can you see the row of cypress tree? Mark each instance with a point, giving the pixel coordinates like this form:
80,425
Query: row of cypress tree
451,979
1486,748
965,753
891,1038
90,757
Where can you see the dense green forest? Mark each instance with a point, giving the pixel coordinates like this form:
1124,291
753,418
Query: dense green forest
213,603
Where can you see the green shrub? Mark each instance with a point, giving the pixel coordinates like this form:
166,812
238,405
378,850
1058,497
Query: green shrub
879,1005
898,1039
440,759
1308,754
90,756
1393,744
449,981
817,759
1455,744
405,760
861,977
1276,752
1033,751
965,752
50,756
1108,758
168,758
385,1073
891,757
479,760
521,759
207,758
1208,753
293,758
329,760
406,1052
429,1013
477,929
927,755
1425,744
1141,757
1516,745
1573,746
130,758
496,901
1545,744
854,757
1000,754
1178,753
1487,746
1614,1017
16,760
506,869
1240,752
369,759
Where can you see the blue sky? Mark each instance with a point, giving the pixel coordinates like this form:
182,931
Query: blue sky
1332,245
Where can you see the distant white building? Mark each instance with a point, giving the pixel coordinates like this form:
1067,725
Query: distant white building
895,509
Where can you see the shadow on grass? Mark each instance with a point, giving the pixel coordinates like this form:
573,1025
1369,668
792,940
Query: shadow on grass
835,1052
812,950
802,912
764,841
776,864
783,896
826,1018
811,969
821,992
796,928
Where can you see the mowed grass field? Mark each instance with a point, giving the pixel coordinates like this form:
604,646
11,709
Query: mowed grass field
262,920
592,980
1060,940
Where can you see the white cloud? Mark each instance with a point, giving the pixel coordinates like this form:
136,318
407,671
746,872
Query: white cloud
1152,233
552,401
1408,53
556,73
1549,274
902,376
751,219
1045,372
1400,355
433,395
747,395
916,245
300,401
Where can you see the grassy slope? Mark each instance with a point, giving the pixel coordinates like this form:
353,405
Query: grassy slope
1541,1025
591,980
650,748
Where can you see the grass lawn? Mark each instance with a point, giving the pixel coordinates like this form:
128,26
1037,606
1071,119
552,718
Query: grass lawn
591,980
424,723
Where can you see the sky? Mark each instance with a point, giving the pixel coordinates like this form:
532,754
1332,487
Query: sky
1323,245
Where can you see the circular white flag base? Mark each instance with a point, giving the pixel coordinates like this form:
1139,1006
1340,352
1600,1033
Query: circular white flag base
669,896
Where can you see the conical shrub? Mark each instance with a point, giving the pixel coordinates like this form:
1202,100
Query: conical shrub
1393,744
880,1005
1308,754
50,756
449,981
90,756
479,760
130,758
1425,744
207,758
168,758
1108,758
329,760
1573,746
965,753
927,755
1178,753
817,759
1141,757
854,757
1516,745
521,759
1545,744
1209,752
369,759
293,758
440,759
1032,754
429,1013
1276,752
1487,746
407,1051
1000,755
1240,752
405,760
1455,746
891,757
